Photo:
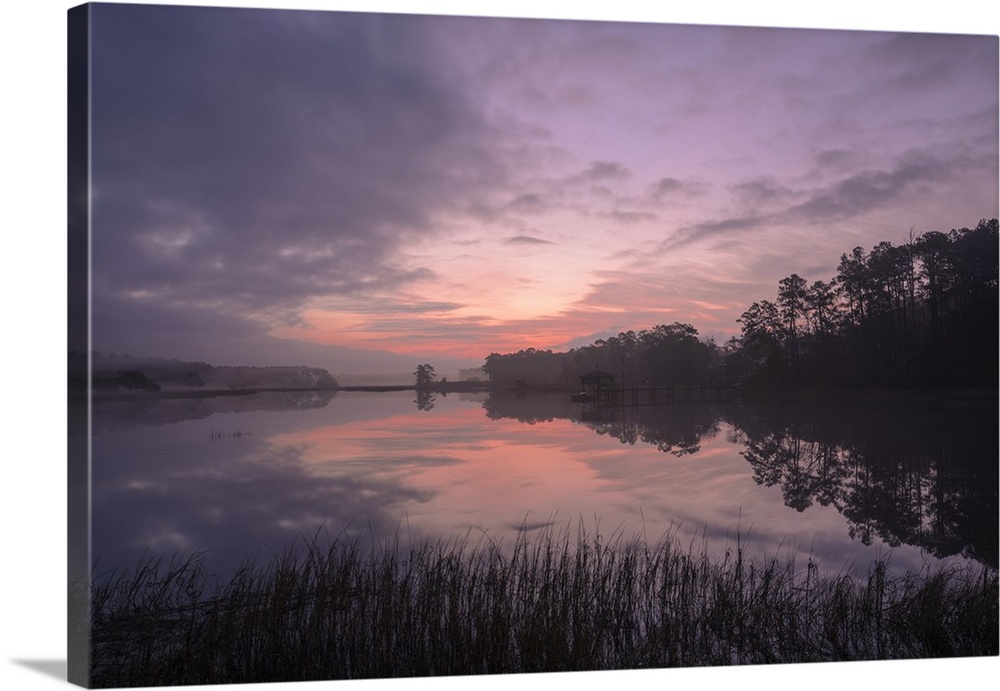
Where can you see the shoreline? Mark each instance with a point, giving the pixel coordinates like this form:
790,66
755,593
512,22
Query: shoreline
952,396
97,396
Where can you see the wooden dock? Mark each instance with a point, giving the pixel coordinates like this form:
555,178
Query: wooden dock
638,396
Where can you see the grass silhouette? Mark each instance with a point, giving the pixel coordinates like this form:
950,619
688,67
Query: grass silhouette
551,602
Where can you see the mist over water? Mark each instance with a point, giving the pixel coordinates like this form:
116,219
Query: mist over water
242,478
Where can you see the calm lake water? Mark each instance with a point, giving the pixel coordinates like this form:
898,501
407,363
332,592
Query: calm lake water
241,477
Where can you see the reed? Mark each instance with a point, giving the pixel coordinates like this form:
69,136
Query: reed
554,602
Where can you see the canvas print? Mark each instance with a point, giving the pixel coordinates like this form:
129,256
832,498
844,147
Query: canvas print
423,346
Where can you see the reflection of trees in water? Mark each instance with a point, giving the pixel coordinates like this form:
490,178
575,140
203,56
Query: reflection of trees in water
116,414
805,471
677,430
425,399
921,477
530,409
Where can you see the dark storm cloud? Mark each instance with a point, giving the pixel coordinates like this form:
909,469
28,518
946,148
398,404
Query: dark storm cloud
248,160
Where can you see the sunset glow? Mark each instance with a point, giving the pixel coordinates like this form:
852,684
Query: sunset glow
364,191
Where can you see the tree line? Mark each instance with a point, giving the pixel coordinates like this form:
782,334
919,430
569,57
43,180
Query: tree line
662,354
923,313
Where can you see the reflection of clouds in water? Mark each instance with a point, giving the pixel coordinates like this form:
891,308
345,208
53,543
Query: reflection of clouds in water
456,471
532,526
162,483
392,464
163,539
235,506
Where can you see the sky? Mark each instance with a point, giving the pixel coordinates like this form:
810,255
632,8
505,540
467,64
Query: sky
34,301
365,192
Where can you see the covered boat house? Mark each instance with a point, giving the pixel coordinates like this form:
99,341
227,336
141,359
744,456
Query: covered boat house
598,387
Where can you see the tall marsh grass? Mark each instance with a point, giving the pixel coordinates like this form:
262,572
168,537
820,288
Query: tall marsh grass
551,603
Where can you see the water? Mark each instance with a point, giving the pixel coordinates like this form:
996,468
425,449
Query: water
242,477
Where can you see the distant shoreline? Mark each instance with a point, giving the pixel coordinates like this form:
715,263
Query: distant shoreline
449,387
206,393
950,395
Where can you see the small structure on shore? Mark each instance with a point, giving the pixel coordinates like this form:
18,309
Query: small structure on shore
597,387
600,390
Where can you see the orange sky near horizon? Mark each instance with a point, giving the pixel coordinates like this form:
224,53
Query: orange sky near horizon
540,296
